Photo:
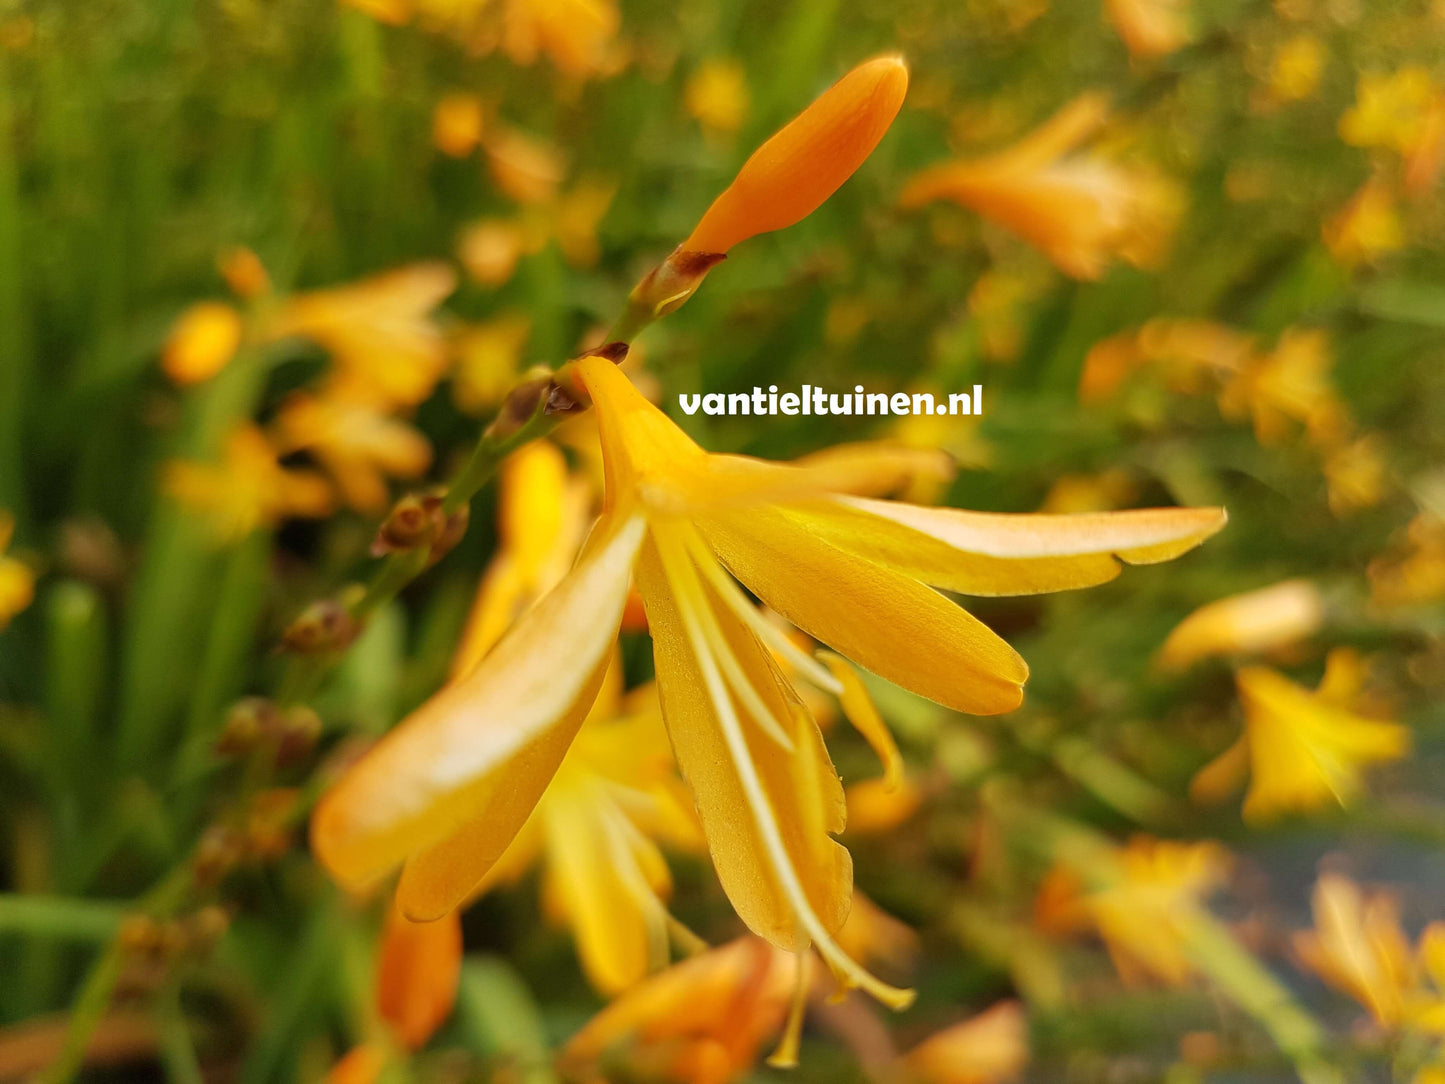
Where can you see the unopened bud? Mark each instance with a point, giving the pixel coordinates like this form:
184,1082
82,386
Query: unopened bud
216,855
298,730
326,625
206,927
249,722
412,521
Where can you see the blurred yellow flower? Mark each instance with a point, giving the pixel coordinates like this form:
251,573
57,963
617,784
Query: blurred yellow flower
854,573
355,439
490,249
1080,210
1102,492
1413,574
201,342
1301,749
876,808
1357,475
488,357
1257,622
997,302
244,273
1367,228
717,95
1290,383
702,1021
1390,109
575,216
1183,352
1141,903
379,331
1358,947
576,35
17,581
1151,28
457,124
789,176
391,12
990,1048
248,489
1296,68
526,168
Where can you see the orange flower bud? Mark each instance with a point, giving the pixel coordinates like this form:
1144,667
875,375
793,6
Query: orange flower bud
790,175
203,340
417,974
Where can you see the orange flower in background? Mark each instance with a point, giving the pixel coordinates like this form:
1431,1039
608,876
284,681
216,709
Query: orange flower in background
1257,622
717,95
1413,573
1392,110
17,581
1358,947
1296,68
1357,475
990,1048
1141,902
1151,28
853,573
703,1021
491,248
244,273
526,168
1081,210
1185,353
1301,749
488,359
379,331
201,342
1290,384
789,176
575,216
576,35
248,489
457,124
1367,228
355,439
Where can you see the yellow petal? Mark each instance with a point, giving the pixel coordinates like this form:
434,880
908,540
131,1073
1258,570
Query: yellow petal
858,708
885,621
475,758
802,790
984,1049
1263,620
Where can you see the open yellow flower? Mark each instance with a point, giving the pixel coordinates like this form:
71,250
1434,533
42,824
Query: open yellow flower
1357,475
703,1021
1414,572
1141,904
1269,619
1081,210
1291,383
1358,947
248,488
1151,28
355,438
17,581
576,35
1183,352
448,789
989,1048
1302,749
1367,228
378,331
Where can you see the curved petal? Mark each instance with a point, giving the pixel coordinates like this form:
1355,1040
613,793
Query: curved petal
802,790
996,553
481,751
882,619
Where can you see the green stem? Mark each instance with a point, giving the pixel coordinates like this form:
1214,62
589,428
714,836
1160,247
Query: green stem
60,918
178,1052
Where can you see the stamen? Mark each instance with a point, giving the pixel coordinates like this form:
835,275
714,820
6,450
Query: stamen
786,1055
682,577
733,597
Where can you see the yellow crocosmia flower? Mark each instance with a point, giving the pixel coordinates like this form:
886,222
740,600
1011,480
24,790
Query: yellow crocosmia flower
1151,28
1425,158
488,358
1415,573
1257,622
1081,210
997,301
1367,228
379,331
526,168
417,970
990,1048
1357,475
457,123
362,1064
1296,68
542,518
490,249
575,218
576,35
789,176
1302,749
1183,353
875,808
1358,947
355,439
248,489
703,1020
717,95
244,273
201,342
1141,904
1427,1009
1390,109
17,581
1290,383
855,573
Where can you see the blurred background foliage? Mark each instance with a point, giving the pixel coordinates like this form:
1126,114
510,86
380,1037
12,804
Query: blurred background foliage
140,143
